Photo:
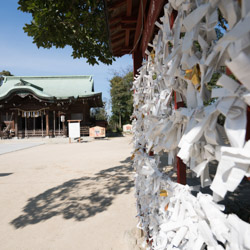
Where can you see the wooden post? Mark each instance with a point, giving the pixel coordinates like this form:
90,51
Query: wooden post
137,58
47,123
64,129
16,124
34,124
26,135
54,122
42,123
59,127
181,167
248,124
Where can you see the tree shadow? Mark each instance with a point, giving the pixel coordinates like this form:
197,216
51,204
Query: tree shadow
78,199
5,174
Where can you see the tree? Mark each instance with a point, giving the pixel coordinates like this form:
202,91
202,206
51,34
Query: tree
121,98
100,113
5,73
77,23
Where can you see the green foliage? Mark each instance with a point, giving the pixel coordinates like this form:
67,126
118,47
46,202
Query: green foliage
77,23
121,98
100,113
5,73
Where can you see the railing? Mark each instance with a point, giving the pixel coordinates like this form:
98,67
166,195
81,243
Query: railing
84,130
39,133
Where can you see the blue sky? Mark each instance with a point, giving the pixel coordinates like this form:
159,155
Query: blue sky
22,58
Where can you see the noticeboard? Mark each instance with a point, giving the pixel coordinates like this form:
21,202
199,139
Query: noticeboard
97,132
74,129
127,128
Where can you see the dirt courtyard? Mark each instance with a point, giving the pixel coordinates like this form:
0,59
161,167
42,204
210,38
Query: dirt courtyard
68,196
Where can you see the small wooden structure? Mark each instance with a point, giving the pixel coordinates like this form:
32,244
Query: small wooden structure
74,129
40,106
127,128
97,132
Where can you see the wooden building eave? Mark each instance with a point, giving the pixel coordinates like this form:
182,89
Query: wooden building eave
131,26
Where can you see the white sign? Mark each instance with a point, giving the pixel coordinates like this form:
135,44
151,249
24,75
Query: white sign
74,129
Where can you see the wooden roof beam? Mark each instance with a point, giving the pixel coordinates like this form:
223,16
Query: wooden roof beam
117,48
124,19
130,26
117,4
115,27
127,34
117,39
122,50
119,34
130,19
126,50
115,19
139,23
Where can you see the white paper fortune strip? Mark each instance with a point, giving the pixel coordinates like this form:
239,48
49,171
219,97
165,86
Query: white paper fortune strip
184,60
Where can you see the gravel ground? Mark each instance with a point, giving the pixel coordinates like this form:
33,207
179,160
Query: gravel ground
67,196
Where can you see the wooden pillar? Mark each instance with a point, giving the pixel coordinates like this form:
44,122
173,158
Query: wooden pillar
59,122
248,124
137,60
34,124
26,135
42,122
16,124
47,123
54,122
181,167
248,128
64,129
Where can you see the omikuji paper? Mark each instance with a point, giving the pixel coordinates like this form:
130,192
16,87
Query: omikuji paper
183,60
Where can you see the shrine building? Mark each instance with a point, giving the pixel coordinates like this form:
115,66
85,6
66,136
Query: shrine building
42,105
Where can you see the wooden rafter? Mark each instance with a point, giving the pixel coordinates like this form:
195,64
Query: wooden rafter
115,27
129,26
117,4
115,19
125,20
126,50
119,34
131,19
118,38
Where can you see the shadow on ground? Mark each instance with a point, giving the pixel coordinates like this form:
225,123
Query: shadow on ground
78,198
5,174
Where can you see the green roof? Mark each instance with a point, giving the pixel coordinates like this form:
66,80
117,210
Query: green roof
49,87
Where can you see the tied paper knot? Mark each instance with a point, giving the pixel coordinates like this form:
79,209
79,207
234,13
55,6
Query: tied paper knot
185,58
